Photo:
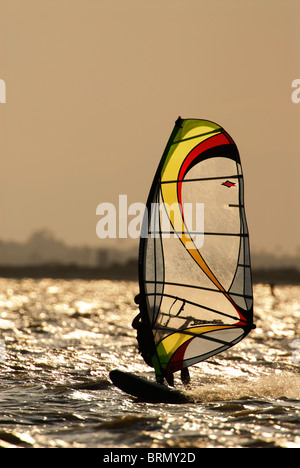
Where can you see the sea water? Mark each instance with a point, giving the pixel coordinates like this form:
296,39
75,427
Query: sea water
59,340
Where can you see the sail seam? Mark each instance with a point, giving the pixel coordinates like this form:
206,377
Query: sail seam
199,287
200,179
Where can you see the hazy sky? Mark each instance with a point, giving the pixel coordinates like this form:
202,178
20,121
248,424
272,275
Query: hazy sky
93,88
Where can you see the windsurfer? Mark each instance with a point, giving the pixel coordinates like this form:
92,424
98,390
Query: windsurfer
146,344
144,334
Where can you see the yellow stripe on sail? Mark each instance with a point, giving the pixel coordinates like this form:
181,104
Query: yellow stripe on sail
170,172
169,345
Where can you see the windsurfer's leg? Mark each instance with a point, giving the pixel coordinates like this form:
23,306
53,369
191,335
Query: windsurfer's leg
170,379
185,376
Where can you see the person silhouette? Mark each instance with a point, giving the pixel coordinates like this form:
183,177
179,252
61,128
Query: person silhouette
146,344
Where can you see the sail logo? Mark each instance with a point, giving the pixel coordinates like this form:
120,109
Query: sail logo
2,92
296,92
132,221
229,184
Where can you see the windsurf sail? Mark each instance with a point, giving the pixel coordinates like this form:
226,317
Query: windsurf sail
195,274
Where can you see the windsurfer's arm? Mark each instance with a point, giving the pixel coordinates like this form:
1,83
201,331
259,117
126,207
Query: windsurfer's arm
137,298
136,321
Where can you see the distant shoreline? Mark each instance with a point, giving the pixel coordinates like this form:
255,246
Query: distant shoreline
127,272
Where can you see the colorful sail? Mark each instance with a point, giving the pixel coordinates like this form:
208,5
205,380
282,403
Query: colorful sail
195,275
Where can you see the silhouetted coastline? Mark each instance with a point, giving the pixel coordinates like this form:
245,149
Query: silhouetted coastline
275,276
127,272
43,255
